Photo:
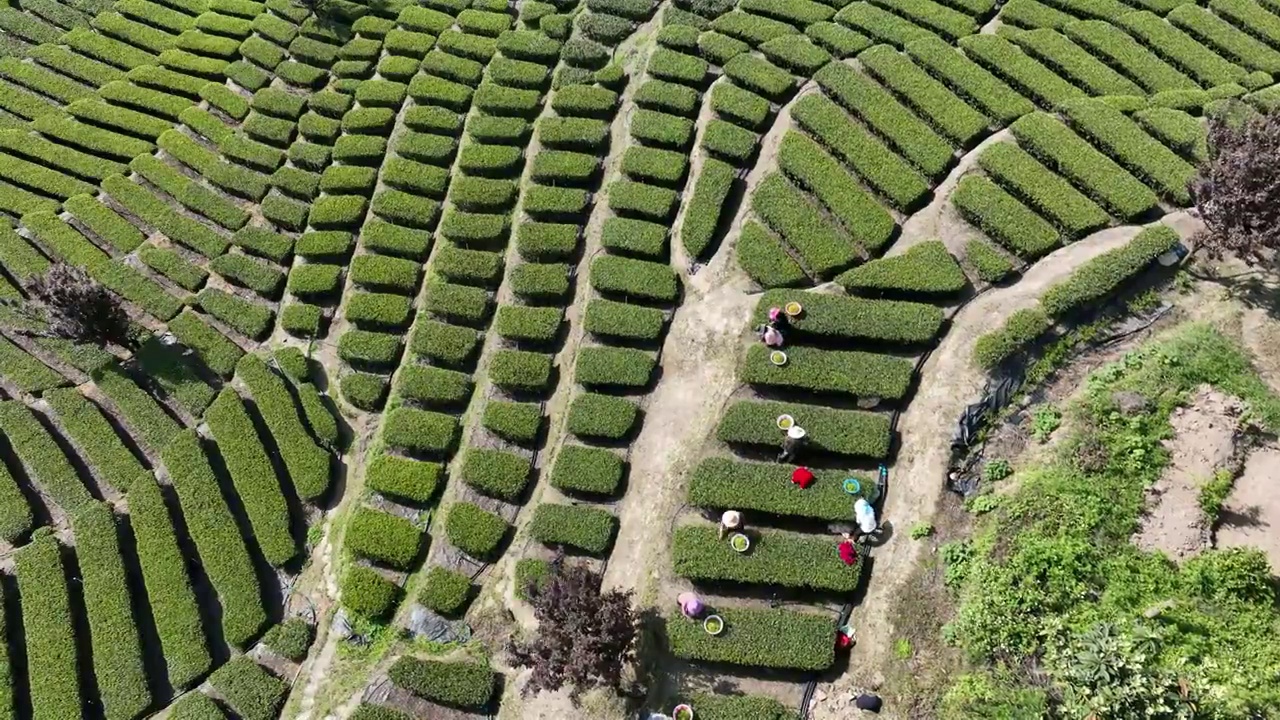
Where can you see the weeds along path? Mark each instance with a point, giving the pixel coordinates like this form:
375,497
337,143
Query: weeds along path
950,380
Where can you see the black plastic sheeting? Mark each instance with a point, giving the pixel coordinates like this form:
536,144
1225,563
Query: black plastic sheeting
1001,389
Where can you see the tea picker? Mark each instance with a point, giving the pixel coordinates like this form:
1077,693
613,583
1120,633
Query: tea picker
795,436
690,606
866,517
730,521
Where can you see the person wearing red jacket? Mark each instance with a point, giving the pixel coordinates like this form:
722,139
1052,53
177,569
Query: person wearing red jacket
848,553
802,476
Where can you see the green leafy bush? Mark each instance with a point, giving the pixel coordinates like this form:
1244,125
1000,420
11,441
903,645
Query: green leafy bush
520,370
702,215
835,316
594,471
1122,139
368,347
1003,217
851,372
517,422
123,691
583,527
364,390
925,270
433,386
1102,275
990,264
213,529
84,422
448,344
1099,176
455,684
776,558
496,473
290,639
752,29
821,245
247,687
385,273
531,573
402,478
758,638
661,129
1022,328
586,134
634,278
446,592
845,432
608,366
634,237
474,531
43,460
366,592
535,324
252,475
383,538
764,258
722,483
301,319
48,627
307,463
1022,72
740,707
164,570
1048,193
601,416
606,318
420,430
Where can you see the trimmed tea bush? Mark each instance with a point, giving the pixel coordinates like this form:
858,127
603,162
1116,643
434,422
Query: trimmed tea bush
1022,328
410,480
609,366
1102,275
925,270
764,258
446,592
990,264
517,422
722,483
247,687
367,593
420,430
456,684
307,463
835,316
123,691
606,318
164,570
845,432
520,370
222,550
586,528
758,638
821,246
1001,216
634,278
48,627
776,558
474,531
383,538
595,471
809,166
496,473
1099,176
1052,196
851,372
601,416
290,639
254,479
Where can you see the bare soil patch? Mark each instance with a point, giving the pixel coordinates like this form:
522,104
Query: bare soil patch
1251,513
1206,435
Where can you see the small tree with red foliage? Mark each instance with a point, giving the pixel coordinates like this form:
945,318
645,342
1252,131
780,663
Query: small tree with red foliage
1237,191
586,635
66,303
